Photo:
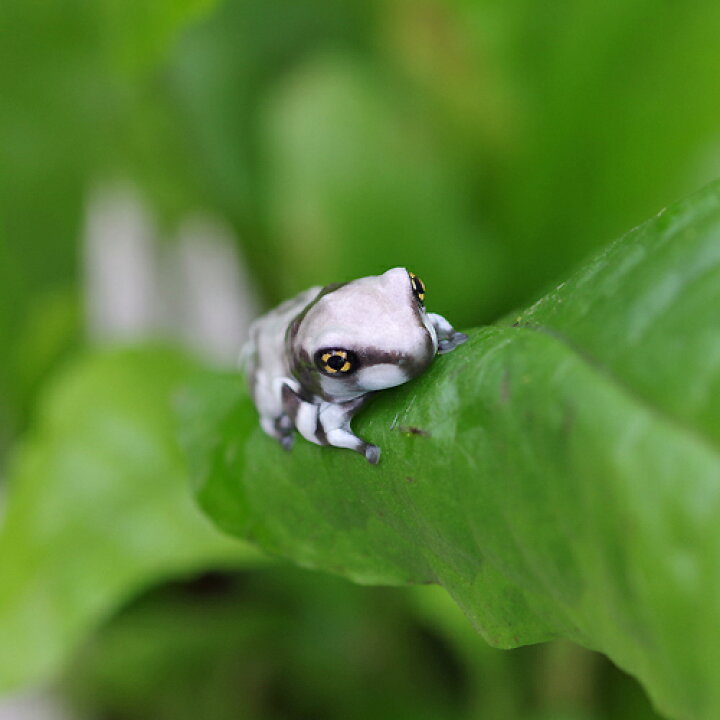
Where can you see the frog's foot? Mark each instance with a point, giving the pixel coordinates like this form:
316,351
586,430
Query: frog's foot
450,343
372,453
283,425
344,438
448,337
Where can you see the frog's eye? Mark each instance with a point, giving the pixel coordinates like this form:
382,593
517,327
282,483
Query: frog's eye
418,287
336,361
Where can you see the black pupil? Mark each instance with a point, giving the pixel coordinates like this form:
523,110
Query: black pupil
336,362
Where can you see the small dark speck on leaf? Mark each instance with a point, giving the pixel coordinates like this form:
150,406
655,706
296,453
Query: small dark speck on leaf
412,430
410,479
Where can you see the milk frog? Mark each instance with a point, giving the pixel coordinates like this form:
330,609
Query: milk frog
313,361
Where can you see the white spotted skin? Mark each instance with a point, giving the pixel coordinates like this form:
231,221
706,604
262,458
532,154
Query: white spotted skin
382,335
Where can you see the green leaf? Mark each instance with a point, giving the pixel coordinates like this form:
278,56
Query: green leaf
98,508
567,483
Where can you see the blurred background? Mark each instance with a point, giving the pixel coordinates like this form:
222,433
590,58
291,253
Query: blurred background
170,169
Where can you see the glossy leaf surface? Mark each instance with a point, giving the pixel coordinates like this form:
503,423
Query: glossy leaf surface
566,482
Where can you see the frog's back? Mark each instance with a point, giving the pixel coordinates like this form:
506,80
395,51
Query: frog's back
264,358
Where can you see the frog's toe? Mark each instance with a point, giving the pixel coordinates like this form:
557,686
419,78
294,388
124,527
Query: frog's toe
287,442
372,454
449,344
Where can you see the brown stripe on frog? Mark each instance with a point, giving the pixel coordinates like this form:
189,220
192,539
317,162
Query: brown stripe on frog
302,367
412,365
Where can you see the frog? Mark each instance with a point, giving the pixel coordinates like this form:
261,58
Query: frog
315,360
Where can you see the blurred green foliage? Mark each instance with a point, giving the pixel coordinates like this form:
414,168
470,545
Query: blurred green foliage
286,644
99,509
488,145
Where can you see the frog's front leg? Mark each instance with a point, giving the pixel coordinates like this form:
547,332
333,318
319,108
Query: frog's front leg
335,419
448,337
327,423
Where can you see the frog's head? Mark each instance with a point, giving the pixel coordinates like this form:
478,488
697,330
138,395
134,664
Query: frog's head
368,334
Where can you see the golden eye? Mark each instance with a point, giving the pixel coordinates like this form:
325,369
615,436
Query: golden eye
336,360
418,287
